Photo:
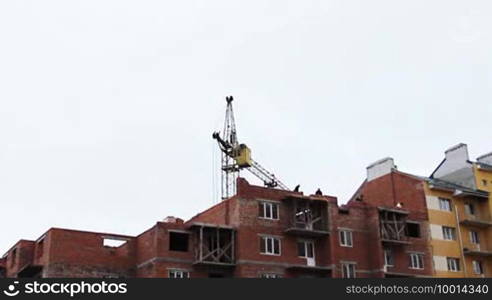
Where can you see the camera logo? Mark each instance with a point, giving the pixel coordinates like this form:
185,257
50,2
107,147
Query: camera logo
11,291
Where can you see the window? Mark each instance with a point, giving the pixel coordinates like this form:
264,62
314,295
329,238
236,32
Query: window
484,182
477,267
178,241
269,245
389,260
413,229
469,209
348,270
445,204
449,233
268,210
113,242
270,275
453,264
474,237
179,274
346,238
305,249
416,261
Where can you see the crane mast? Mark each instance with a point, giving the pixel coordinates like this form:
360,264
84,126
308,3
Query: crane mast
236,157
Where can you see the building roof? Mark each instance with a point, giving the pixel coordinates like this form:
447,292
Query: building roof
484,166
446,185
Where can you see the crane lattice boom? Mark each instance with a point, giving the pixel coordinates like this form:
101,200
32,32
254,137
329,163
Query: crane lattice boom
267,177
236,157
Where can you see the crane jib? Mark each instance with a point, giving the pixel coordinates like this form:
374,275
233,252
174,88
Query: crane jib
236,157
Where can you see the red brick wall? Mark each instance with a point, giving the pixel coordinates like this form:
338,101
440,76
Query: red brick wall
366,251
155,256
146,245
217,214
251,227
23,256
82,254
68,253
394,188
387,191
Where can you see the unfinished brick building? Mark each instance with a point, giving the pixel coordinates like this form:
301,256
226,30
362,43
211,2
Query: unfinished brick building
259,232
397,200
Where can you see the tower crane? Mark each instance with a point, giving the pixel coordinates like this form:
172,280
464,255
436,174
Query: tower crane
237,157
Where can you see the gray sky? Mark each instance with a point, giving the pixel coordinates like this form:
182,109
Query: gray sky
107,107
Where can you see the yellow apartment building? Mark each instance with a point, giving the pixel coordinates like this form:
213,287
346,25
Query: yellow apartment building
458,196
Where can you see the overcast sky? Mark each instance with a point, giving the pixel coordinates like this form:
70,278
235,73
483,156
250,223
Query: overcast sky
107,107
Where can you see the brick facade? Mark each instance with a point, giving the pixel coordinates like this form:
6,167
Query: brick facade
402,193
227,239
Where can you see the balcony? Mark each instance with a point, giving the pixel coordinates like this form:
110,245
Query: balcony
477,250
393,226
471,194
307,231
474,220
394,241
214,245
309,218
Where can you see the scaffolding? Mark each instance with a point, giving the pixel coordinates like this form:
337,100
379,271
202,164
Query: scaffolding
393,225
214,245
308,217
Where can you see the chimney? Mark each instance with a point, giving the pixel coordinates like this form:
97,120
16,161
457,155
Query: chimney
170,219
173,220
458,153
486,159
456,165
380,168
